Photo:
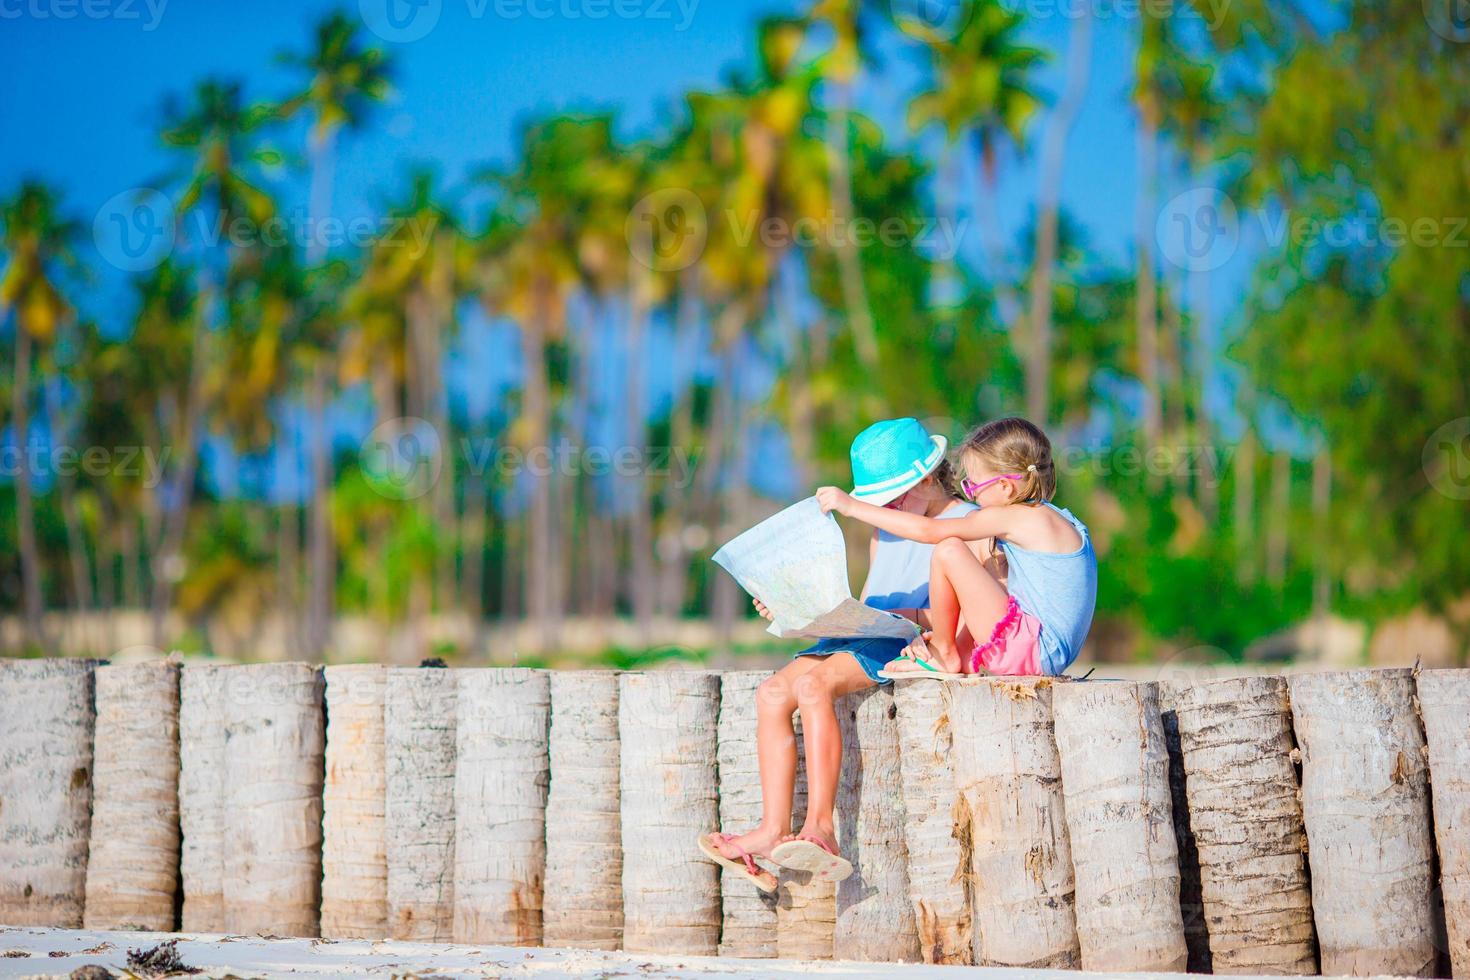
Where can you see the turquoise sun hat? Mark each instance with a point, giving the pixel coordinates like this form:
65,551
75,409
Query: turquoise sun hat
890,457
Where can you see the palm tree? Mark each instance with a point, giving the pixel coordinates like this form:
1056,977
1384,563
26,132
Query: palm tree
36,238
345,80
1053,150
981,87
1146,99
1193,116
402,308
839,67
217,130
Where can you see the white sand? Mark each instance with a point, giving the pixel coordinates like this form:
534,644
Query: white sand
56,952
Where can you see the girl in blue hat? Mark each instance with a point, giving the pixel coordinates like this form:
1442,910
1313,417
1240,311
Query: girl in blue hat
900,468
1034,622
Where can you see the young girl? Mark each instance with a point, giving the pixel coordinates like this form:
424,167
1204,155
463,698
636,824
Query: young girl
1036,622
898,468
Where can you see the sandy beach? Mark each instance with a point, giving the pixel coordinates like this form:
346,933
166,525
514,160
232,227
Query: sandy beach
34,952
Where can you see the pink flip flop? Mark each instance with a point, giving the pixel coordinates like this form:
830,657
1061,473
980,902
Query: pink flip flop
746,866
810,853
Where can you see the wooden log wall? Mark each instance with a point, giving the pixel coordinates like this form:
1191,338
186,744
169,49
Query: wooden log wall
1325,815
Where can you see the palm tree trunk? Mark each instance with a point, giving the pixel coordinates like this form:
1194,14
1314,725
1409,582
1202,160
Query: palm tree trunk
583,896
1236,746
1444,702
1322,546
937,859
132,562
672,550
748,926
502,767
1280,523
1245,508
640,521
273,775
1053,155
875,921
472,536
321,566
1008,776
167,554
536,410
419,751
1115,782
667,723
1146,302
1176,418
46,783
849,259
25,513
76,537
201,795
1365,802
319,543
354,800
1007,298
1208,479
133,866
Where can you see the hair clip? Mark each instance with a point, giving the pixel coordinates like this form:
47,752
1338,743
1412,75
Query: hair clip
1031,468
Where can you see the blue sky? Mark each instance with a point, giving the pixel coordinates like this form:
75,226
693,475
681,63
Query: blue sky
83,106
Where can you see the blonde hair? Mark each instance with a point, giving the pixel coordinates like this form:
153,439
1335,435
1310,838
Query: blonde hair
1013,446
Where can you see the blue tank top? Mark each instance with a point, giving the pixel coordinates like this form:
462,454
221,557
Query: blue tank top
1058,589
899,577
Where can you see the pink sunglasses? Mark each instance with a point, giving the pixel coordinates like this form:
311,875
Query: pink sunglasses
971,489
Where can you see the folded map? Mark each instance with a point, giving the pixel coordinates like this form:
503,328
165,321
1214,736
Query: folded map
796,563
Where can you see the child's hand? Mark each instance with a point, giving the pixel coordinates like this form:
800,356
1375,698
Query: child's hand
760,607
833,499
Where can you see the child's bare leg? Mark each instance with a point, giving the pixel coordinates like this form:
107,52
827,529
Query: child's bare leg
816,695
775,739
960,584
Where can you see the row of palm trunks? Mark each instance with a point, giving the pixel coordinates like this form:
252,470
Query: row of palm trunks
1260,825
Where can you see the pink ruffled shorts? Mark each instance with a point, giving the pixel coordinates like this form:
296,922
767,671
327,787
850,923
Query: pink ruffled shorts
1014,647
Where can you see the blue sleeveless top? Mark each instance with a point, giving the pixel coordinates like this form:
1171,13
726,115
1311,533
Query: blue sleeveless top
1058,589
899,577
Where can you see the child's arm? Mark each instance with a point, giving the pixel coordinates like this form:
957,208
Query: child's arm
987,523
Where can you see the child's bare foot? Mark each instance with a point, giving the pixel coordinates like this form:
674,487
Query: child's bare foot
813,850
758,842
812,829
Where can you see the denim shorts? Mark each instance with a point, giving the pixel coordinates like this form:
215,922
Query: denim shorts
871,653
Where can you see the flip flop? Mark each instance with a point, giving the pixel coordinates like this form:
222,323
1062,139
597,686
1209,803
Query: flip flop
745,867
929,673
810,853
